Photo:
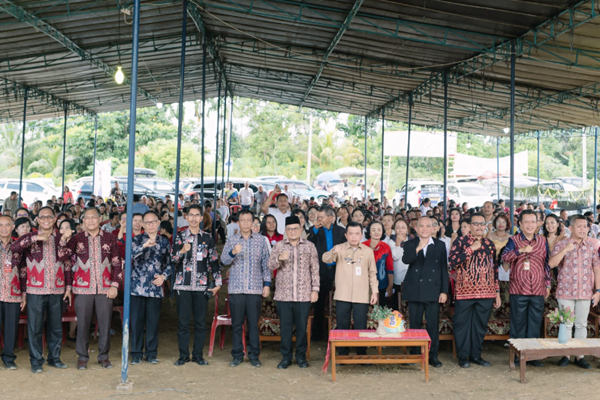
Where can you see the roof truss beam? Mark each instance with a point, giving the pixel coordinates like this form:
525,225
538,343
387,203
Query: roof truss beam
564,22
41,26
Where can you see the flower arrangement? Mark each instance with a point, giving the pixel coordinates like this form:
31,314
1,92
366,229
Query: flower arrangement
562,315
379,313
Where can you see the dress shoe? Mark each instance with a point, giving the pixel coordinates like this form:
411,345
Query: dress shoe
256,363
58,364
37,369
581,363
199,361
105,363
434,362
479,361
535,363
81,364
182,360
152,360
563,362
136,360
464,363
10,365
283,364
235,362
302,363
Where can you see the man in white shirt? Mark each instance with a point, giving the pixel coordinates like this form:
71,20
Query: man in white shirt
281,212
246,196
287,192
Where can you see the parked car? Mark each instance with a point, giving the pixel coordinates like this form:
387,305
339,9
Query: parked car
31,191
421,189
159,185
472,193
575,181
83,188
271,178
301,189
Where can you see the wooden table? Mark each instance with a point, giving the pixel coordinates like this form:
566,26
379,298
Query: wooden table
538,349
368,338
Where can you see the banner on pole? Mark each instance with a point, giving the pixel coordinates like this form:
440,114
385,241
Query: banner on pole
102,178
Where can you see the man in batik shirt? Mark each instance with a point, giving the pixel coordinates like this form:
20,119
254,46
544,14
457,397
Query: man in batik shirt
194,256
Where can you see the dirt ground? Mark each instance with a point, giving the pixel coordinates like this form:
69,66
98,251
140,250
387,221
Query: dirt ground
219,381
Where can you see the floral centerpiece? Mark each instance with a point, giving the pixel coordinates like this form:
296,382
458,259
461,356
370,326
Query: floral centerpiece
562,316
389,321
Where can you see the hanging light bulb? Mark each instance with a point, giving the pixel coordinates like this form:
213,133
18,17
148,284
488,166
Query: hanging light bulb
159,105
506,130
119,76
469,144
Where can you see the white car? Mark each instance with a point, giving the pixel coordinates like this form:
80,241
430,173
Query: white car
31,192
418,190
472,193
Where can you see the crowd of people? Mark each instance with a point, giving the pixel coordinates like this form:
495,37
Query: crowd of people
65,254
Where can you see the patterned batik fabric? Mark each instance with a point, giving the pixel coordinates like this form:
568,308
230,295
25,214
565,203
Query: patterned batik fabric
576,270
249,271
476,273
10,284
148,262
192,268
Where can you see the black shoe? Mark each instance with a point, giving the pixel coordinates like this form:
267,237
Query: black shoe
256,363
136,360
37,369
480,361
72,339
302,363
581,363
434,362
517,361
10,365
58,364
464,363
235,362
152,360
283,364
199,361
182,360
536,363
563,362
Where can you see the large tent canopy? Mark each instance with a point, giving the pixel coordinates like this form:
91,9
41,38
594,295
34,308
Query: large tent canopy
364,57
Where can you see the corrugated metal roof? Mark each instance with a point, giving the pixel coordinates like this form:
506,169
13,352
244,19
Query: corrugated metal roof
390,51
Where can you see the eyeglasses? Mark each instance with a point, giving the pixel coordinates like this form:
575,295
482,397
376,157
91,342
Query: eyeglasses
154,222
22,215
478,223
256,224
46,217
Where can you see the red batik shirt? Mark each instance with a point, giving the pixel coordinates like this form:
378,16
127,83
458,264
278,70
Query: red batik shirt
45,265
536,280
98,265
10,285
476,274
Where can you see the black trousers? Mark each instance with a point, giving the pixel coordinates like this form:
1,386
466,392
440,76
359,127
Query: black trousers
145,312
470,324
191,304
432,317
345,312
85,307
526,314
44,310
394,303
293,313
326,277
245,307
9,317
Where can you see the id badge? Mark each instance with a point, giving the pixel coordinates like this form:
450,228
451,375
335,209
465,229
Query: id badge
526,265
358,271
7,266
199,255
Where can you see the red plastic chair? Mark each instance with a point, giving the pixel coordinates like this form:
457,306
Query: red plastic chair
234,209
222,320
68,316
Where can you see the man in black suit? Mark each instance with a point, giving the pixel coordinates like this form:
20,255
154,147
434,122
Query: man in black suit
426,282
327,236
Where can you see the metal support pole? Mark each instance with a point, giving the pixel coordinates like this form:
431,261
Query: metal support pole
410,106
445,144
23,143
382,146
214,224
204,39
223,143
498,166
130,183
538,167
62,189
513,60
595,170
366,130
230,135
95,146
179,124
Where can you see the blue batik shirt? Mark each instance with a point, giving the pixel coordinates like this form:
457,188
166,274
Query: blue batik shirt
147,262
